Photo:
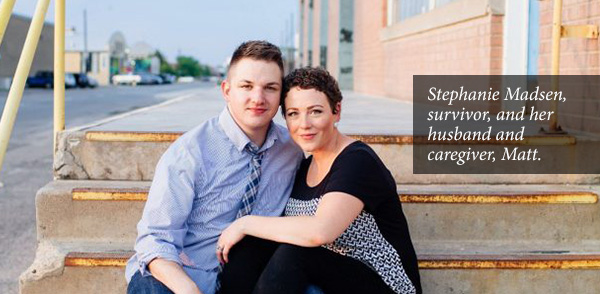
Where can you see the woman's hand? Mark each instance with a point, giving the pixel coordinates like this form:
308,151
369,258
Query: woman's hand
229,237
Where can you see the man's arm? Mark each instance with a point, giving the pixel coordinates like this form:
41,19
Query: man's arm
163,226
173,276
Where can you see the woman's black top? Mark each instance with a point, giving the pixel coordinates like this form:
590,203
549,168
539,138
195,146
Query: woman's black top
379,236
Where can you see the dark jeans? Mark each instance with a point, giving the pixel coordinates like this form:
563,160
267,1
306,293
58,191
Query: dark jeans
247,260
258,266
146,285
292,269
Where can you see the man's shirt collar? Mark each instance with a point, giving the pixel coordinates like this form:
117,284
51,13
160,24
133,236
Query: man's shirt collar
237,136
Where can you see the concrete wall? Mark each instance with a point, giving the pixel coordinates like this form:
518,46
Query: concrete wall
101,67
12,45
73,61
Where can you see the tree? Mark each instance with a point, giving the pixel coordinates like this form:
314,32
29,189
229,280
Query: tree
205,71
165,67
188,66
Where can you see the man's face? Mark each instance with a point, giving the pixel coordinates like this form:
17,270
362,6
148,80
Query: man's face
252,91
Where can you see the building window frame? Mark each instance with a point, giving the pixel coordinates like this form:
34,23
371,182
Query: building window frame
450,13
401,10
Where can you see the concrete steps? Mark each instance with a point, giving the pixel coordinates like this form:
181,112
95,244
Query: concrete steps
52,272
500,234
132,156
108,211
475,268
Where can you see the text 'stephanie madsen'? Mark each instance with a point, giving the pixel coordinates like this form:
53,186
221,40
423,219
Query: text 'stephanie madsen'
487,134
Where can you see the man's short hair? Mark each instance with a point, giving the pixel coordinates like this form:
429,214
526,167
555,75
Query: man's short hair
312,78
257,50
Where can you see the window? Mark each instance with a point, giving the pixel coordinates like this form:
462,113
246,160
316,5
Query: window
323,33
400,10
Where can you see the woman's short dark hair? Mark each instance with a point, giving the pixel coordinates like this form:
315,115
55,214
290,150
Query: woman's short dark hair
257,50
312,78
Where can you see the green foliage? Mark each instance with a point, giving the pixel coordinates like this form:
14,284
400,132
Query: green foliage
165,67
188,66
205,71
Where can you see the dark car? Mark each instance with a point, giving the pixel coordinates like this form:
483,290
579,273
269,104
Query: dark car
85,81
45,79
168,78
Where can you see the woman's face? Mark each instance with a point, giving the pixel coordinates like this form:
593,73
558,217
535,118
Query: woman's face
309,119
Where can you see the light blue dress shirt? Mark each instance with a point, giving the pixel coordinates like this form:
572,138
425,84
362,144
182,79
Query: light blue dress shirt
197,190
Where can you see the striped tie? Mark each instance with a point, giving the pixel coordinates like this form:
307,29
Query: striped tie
249,193
252,187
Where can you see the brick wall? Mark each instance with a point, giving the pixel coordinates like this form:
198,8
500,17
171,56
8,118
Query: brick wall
369,56
472,47
577,57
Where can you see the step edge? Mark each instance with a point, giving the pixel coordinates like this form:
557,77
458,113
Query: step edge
554,197
161,136
426,261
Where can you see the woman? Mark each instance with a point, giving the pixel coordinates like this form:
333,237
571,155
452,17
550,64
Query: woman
344,229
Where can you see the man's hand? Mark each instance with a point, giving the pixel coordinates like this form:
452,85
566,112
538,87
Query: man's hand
173,276
229,237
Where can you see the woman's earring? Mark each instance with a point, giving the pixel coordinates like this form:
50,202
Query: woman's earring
335,124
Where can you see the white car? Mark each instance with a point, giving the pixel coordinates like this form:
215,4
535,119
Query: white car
126,79
186,79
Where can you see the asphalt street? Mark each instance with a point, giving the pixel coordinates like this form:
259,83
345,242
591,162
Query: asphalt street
28,162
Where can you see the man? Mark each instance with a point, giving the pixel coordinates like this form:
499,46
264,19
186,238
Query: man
235,164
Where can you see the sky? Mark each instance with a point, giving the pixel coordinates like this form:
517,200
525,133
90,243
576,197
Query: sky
206,30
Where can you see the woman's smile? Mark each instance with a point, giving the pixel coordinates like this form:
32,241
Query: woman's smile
307,136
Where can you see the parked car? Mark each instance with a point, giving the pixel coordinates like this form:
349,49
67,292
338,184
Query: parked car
168,78
140,78
149,79
126,79
45,79
83,81
70,81
186,79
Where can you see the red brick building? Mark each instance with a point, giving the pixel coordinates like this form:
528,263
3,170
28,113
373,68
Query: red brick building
375,47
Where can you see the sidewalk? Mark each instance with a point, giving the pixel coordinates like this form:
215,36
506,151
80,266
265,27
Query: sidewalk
361,114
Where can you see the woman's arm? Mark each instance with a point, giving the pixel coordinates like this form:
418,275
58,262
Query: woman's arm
336,211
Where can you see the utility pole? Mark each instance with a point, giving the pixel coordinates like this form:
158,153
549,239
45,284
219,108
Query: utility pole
292,35
85,42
